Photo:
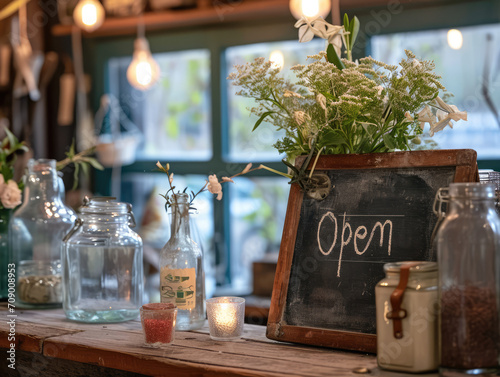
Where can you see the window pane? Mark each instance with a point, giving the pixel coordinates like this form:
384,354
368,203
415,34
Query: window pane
245,145
463,72
153,223
258,208
174,116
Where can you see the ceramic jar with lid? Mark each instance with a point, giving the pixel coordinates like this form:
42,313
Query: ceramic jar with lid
407,317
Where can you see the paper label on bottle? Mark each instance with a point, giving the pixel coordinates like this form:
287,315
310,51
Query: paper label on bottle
178,287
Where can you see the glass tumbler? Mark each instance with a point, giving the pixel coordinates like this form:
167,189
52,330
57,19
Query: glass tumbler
158,323
226,316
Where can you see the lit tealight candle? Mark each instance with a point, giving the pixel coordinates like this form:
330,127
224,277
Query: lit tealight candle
226,316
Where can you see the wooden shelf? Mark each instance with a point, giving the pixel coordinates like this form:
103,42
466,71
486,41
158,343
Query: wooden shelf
203,15
218,12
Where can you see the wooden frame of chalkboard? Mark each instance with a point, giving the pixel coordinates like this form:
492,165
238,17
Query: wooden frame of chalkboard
328,266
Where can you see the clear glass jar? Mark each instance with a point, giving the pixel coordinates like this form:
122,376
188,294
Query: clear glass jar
102,264
468,246
182,278
407,317
36,231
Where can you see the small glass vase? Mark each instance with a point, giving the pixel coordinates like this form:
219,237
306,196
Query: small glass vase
5,215
182,278
36,231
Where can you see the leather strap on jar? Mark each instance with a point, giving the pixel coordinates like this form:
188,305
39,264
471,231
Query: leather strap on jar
397,314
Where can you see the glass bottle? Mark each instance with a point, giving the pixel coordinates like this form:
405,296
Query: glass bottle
182,279
36,231
102,264
468,244
413,288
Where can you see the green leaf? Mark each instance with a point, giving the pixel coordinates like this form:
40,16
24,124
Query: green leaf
12,139
346,21
94,163
332,138
333,57
261,119
389,141
354,29
75,177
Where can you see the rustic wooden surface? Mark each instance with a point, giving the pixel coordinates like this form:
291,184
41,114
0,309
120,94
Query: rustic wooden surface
55,343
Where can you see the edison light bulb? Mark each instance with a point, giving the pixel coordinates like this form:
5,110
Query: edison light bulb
88,15
143,72
310,8
455,39
277,59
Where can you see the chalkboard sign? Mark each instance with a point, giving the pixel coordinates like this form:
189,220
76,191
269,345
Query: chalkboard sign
378,210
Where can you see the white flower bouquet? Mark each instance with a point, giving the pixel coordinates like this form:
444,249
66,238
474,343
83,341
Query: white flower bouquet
343,106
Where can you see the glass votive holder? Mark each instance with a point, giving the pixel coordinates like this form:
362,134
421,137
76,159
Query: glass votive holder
226,316
158,323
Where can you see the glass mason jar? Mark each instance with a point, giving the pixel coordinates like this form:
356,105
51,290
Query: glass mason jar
102,264
468,246
407,317
36,231
182,279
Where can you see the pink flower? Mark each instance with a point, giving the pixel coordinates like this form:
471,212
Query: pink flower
171,178
227,179
214,186
11,195
247,168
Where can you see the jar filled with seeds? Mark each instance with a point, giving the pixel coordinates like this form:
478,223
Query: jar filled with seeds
467,243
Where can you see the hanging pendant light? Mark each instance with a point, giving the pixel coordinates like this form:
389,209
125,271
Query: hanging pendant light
310,8
143,72
88,15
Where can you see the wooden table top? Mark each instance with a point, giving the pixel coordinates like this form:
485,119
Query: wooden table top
120,346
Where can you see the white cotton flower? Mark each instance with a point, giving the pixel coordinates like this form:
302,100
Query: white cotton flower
319,27
299,117
289,93
214,186
321,99
446,114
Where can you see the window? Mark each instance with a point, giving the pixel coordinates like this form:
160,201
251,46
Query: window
245,145
463,72
174,116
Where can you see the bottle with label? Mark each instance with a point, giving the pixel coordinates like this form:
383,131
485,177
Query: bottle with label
182,280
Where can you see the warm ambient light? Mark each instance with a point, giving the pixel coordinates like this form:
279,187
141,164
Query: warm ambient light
455,39
88,15
310,8
143,72
277,59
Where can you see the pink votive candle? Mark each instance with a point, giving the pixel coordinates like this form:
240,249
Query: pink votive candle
158,323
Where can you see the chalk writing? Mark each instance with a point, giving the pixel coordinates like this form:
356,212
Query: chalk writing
360,234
